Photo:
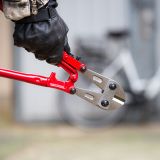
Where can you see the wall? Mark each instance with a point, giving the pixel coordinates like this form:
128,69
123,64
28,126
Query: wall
6,103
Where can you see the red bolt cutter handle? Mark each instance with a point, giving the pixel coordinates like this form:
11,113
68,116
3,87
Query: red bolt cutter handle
68,63
111,96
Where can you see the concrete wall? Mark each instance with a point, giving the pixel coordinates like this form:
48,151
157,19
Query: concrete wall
143,17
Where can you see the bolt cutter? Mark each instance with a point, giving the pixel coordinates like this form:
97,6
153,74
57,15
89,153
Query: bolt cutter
111,95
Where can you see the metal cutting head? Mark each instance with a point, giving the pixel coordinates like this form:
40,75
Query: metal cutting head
112,95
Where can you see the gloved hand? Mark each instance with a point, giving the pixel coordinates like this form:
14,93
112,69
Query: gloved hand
47,39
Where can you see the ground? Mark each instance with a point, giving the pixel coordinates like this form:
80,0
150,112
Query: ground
19,142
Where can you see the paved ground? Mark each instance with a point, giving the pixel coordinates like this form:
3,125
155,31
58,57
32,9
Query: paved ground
67,143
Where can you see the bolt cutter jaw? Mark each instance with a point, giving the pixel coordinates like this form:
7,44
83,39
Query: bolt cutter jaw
111,95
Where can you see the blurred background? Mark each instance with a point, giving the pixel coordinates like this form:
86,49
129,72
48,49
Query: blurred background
118,38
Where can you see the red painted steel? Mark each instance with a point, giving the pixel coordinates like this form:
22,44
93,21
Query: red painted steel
74,63
69,64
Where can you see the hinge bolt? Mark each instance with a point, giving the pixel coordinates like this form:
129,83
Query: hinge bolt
83,69
112,86
104,103
73,91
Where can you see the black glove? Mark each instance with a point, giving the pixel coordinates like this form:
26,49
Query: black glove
47,39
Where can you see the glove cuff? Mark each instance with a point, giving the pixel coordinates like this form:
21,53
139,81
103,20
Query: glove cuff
43,15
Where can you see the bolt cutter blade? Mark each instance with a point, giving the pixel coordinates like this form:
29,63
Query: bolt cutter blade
88,95
111,97
96,78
